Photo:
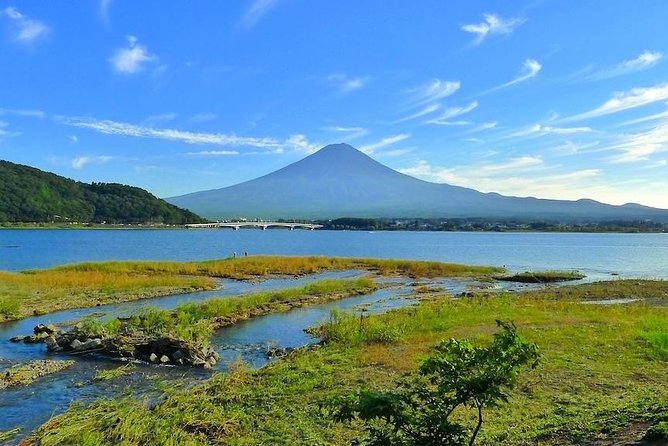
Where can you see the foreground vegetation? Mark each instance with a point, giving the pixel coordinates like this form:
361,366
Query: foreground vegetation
543,276
91,284
25,374
603,370
38,292
195,321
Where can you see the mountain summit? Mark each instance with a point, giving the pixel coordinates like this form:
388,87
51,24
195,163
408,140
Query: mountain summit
340,181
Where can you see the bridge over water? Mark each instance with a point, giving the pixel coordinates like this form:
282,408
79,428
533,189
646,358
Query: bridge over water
254,224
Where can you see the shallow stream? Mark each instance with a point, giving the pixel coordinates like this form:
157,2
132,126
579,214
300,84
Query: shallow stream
29,407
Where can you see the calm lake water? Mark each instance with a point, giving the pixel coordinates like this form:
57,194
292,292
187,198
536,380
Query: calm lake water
598,255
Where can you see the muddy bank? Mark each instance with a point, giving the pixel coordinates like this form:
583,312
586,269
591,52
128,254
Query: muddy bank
25,374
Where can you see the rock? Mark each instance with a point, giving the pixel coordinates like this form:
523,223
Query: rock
41,328
164,359
153,357
76,345
18,338
35,339
177,355
52,344
91,344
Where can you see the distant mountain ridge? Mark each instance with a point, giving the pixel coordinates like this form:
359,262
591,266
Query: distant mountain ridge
32,195
341,181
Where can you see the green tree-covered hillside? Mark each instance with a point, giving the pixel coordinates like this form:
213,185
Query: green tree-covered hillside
31,195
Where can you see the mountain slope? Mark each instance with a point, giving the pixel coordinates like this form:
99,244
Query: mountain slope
340,181
31,195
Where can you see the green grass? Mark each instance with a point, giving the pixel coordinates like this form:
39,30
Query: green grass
263,266
543,276
24,374
99,283
109,374
9,434
600,372
195,322
24,294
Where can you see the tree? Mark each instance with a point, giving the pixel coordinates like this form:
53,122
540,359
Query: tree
456,375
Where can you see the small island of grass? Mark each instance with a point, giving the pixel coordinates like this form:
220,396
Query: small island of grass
542,276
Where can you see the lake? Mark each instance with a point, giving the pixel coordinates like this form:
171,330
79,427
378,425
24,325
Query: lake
597,255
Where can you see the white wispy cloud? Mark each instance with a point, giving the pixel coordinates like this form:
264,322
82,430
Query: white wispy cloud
124,129
433,91
213,153
653,117
23,112
82,161
640,146
530,68
491,25
132,59
24,29
418,114
203,117
453,112
572,148
517,177
73,138
636,97
301,143
346,84
256,12
349,133
646,59
371,148
540,130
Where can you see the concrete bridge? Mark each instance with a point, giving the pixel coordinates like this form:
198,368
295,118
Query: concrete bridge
254,224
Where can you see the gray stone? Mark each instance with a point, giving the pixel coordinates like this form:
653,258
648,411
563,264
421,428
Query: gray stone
18,338
91,344
164,359
51,344
153,357
177,355
76,345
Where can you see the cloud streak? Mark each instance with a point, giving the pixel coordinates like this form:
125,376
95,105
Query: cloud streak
346,84
82,161
645,60
541,130
621,101
124,129
434,91
388,141
453,112
256,12
491,25
25,30
530,68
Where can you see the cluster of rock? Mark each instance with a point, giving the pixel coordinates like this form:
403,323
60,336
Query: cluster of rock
161,350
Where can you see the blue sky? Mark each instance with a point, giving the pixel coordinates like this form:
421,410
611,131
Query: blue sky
546,98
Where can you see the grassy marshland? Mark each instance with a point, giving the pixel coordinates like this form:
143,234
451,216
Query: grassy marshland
543,276
25,374
602,373
90,284
37,292
262,266
195,322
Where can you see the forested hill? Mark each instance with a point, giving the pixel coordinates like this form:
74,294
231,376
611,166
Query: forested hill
31,195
